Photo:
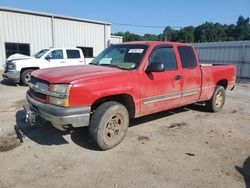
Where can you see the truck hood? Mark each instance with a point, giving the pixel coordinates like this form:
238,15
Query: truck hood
18,57
75,74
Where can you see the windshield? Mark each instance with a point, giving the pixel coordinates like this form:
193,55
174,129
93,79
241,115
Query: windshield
125,56
40,53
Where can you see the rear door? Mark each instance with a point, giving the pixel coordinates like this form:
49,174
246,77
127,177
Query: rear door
191,75
162,89
74,57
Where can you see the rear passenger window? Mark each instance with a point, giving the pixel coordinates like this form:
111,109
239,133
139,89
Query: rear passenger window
73,54
187,56
164,55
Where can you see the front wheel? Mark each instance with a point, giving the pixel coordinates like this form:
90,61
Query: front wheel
25,76
216,103
108,125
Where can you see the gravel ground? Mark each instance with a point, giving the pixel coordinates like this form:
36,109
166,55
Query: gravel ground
187,147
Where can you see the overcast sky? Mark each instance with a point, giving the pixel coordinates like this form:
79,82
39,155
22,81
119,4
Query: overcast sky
175,13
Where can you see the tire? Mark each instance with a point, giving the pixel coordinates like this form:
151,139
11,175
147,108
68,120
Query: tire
108,125
25,76
216,103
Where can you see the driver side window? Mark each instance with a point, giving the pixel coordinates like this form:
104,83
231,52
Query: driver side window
164,55
56,54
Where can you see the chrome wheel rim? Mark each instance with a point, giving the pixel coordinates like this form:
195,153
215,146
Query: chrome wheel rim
114,127
27,77
219,99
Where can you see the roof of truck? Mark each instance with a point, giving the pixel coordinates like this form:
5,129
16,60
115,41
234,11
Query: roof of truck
157,43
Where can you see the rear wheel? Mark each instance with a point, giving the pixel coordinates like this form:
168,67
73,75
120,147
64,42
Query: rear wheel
216,103
108,125
25,76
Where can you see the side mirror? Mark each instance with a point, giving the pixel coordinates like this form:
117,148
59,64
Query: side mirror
48,58
155,67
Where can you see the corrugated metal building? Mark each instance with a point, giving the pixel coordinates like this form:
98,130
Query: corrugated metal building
27,32
116,39
233,52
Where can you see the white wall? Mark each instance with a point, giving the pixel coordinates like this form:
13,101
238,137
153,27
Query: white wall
73,33
36,30
24,28
116,39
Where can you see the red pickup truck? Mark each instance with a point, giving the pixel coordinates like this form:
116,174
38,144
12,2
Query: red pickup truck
126,81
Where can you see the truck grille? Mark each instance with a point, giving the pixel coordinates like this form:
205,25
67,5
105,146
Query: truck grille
41,84
7,67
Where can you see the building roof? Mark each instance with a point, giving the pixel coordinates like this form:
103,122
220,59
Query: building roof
24,11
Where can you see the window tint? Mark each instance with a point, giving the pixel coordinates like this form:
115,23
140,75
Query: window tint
187,56
13,48
41,53
164,55
73,54
87,51
56,54
124,56
116,54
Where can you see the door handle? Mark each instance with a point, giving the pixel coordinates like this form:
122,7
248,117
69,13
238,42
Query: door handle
177,77
62,61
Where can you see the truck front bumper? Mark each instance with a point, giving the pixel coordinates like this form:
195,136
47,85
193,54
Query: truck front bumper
13,76
59,117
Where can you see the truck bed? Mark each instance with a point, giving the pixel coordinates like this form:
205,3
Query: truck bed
211,74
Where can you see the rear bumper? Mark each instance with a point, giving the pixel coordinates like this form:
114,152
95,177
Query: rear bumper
60,117
13,76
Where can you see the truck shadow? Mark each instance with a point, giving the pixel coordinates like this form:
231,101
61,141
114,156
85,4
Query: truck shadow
245,171
7,83
11,84
159,115
42,133
156,116
80,137
45,134
197,107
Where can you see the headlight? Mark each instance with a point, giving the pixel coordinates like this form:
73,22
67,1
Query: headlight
60,90
11,66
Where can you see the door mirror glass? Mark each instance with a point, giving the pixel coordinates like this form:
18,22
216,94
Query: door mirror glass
47,57
155,67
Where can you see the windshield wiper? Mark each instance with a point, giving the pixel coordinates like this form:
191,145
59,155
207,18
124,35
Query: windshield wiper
113,65
93,63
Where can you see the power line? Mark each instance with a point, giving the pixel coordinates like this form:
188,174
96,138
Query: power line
146,26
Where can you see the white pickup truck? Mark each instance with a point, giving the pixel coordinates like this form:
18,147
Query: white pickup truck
18,67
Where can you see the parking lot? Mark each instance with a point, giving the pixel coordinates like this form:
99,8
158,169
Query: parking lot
186,147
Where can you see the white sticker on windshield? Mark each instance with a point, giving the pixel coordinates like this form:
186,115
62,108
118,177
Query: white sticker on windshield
137,51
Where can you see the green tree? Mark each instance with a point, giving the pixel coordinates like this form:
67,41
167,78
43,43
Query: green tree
168,33
150,37
242,29
206,32
186,34
230,32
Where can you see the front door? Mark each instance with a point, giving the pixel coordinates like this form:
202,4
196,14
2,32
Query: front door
55,59
162,90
